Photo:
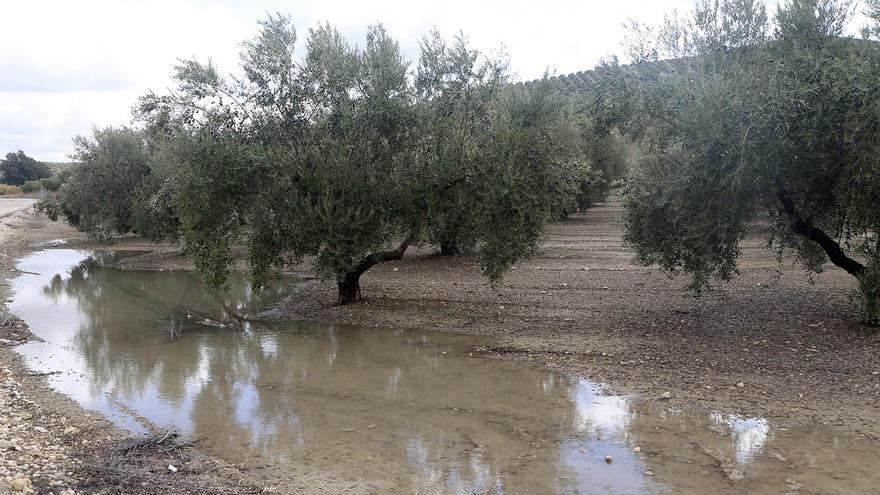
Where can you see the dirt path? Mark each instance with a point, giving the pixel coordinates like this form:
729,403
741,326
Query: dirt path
8,206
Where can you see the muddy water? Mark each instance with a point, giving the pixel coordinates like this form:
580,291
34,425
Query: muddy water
340,409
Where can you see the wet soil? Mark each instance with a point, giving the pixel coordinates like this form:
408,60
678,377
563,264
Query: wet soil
789,338
317,407
791,341
50,444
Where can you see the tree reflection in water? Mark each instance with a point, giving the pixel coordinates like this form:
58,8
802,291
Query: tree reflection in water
411,411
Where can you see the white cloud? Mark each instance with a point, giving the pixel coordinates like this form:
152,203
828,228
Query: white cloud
66,66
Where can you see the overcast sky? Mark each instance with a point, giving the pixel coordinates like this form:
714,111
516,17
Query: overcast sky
66,66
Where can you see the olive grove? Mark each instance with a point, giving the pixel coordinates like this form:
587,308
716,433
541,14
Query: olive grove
754,117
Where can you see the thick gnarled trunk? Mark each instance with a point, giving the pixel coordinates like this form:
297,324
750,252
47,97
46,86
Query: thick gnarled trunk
349,289
349,284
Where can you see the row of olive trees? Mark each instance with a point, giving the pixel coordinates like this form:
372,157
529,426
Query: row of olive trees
348,155
754,117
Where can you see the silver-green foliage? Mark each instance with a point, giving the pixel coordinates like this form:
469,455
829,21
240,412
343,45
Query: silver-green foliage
341,154
757,120
110,191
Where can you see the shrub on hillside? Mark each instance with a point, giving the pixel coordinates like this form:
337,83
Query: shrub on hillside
7,190
51,183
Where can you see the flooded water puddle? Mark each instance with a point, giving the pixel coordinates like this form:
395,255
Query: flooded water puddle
386,411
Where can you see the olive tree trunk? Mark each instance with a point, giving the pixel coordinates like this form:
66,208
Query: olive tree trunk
349,283
449,247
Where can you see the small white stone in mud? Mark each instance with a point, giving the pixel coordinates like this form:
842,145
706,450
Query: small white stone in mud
348,430
71,430
649,473
740,385
637,449
172,468
608,459
371,426
4,445
40,429
665,395
20,484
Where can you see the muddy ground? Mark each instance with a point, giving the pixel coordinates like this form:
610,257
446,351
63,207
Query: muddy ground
775,342
790,339
50,445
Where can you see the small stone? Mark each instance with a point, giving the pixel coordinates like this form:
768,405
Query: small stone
608,459
637,450
649,473
4,445
665,396
20,484
348,430
371,426
740,385
6,342
778,456
27,416
172,468
70,430
40,429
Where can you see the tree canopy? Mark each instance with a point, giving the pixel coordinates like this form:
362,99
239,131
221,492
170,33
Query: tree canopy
755,119
18,168
113,189
350,157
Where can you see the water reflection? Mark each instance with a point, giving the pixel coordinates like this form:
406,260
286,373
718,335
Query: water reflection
390,411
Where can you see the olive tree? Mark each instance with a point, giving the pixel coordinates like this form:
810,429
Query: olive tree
331,157
113,189
456,88
756,118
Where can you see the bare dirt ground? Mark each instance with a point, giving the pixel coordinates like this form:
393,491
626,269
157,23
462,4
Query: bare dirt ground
774,342
8,206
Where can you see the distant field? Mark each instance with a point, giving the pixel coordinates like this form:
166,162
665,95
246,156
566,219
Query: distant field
57,167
